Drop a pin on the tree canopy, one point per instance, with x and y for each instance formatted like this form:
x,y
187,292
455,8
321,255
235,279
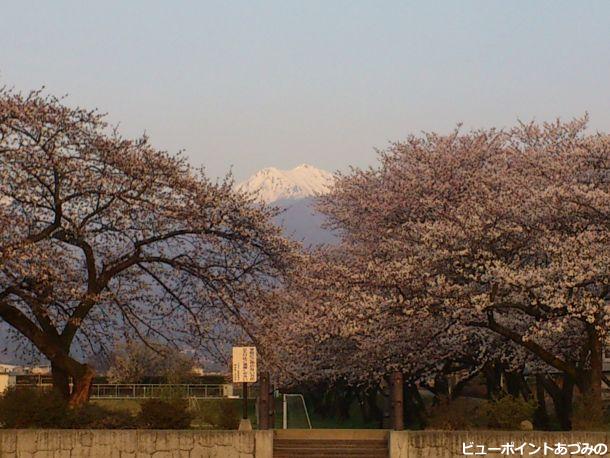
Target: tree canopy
x,y
463,247
104,235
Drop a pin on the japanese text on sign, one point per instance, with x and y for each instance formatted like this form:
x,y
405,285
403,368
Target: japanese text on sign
x,y
244,364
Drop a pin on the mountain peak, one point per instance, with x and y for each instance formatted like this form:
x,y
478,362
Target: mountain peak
x,y
272,184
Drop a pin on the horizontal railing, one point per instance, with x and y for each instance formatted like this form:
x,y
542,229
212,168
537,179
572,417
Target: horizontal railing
x,y
148,391
152,391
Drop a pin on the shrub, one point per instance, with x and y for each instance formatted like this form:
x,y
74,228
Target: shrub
x,y
219,413
172,393
161,414
506,413
455,415
35,408
32,408
92,416
588,416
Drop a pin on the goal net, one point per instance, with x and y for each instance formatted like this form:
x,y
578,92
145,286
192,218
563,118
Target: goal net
x,y
293,411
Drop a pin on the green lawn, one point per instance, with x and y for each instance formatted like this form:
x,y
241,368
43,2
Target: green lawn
x,y
296,415
297,418
131,405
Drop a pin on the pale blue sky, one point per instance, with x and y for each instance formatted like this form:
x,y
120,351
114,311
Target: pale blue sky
x,y
251,84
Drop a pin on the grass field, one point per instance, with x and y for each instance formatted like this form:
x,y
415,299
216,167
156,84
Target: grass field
x,y
296,414
133,406
297,418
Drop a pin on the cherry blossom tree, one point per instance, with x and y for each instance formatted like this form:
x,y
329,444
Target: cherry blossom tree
x,y
134,362
507,231
104,236
332,329
482,246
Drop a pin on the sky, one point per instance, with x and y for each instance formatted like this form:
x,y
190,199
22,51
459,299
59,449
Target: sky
x,y
242,85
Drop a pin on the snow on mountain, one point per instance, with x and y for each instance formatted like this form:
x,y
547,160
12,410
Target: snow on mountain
x,y
293,192
272,184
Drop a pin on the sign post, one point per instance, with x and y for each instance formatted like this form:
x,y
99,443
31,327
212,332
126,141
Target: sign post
x,y
245,401
244,371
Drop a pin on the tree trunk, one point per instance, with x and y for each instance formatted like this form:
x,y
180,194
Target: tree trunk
x,y
541,416
361,396
562,399
514,384
375,413
414,410
367,398
441,389
386,402
397,401
57,349
456,392
61,381
591,385
493,375
565,406
81,387
82,379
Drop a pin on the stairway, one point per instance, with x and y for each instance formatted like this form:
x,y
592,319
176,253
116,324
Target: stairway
x,y
330,444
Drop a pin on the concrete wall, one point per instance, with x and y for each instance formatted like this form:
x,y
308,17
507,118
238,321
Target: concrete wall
x,y
259,444
447,444
135,444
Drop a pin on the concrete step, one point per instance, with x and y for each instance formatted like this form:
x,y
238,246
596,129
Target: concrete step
x,y
332,443
326,454
323,454
354,450
321,448
331,434
311,453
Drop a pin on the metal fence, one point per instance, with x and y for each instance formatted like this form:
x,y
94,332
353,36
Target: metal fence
x,y
150,391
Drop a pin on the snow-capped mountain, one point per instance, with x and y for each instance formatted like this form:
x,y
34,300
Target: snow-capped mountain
x,y
294,191
272,184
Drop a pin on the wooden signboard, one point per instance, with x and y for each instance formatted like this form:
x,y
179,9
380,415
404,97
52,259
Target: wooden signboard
x,y
244,365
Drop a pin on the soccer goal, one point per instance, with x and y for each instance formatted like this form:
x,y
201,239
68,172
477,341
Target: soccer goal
x,y
294,412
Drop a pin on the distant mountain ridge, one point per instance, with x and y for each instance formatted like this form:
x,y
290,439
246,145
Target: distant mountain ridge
x,y
272,184
302,222
294,191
